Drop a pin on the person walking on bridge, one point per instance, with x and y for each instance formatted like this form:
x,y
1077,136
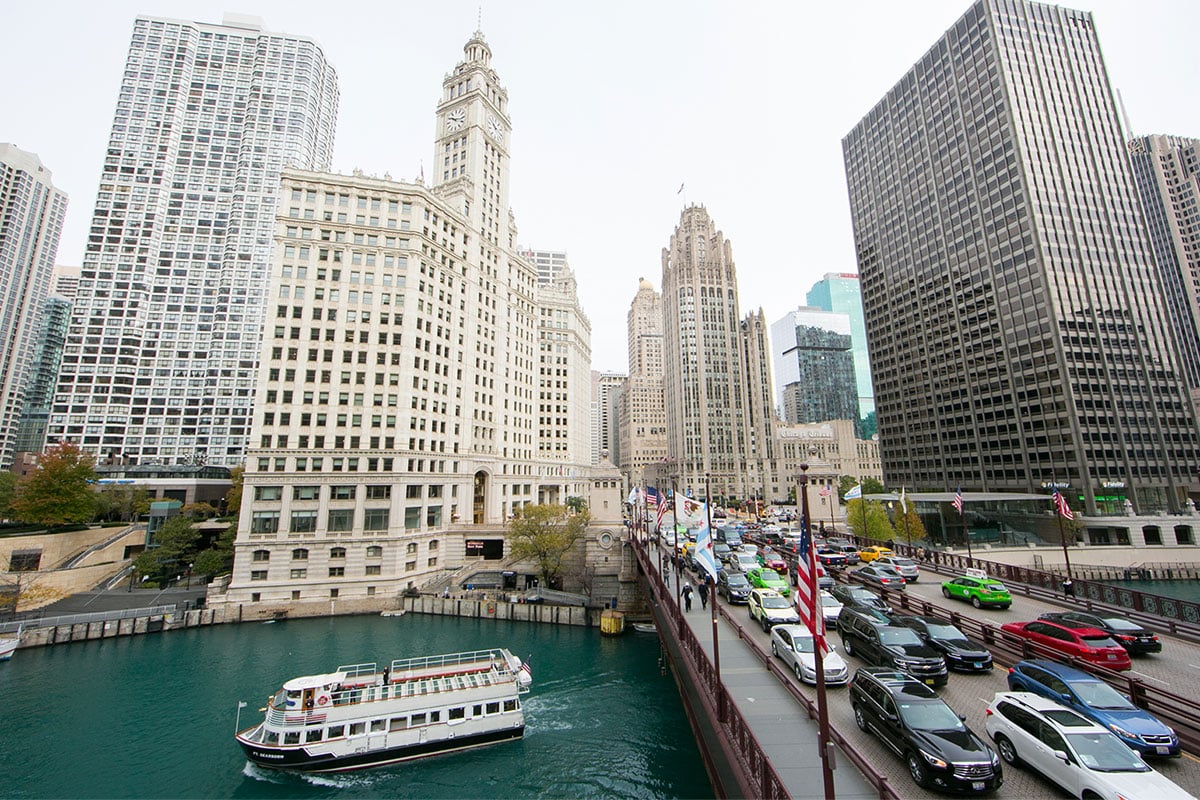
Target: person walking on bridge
x,y
687,597
703,590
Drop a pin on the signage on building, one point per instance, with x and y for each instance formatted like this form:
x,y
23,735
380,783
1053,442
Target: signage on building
x,y
1113,484
1055,485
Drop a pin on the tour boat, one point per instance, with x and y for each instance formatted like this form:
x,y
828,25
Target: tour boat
x,y
9,645
362,716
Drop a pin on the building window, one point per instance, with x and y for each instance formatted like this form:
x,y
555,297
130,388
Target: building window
x,y
268,492
374,551
306,492
264,522
410,566
433,545
374,569
300,554
337,572
337,552
333,593
295,594
342,492
258,575
255,597
410,548
376,519
379,492
341,520
298,573
304,521
262,555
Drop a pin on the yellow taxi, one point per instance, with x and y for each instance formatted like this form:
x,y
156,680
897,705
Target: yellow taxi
x,y
872,553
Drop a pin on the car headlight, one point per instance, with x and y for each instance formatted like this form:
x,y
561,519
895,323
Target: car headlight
x,y
1119,731
995,758
934,760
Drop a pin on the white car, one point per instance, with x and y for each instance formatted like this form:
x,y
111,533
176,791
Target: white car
x,y
794,644
907,568
1081,756
831,608
770,608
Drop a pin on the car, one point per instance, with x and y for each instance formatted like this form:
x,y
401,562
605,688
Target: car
x,y
907,568
720,550
852,596
749,548
850,551
979,589
907,716
1087,644
734,586
831,557
794,645
769,608
1082,757
763,578
1133,637
743,562
868,554
961,654
831,608
1091,697
883,577
771,560
880,643
668,538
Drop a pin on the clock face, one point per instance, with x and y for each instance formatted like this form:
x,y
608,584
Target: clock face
x,y
495,128
456,119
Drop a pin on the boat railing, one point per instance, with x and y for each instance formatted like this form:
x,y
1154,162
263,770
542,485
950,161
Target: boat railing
x,y
401,666
355,671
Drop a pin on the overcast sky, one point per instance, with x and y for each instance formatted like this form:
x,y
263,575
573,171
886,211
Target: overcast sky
x,y
614,104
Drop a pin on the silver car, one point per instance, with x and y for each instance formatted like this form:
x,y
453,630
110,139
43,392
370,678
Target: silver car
x,y
907,568
795,645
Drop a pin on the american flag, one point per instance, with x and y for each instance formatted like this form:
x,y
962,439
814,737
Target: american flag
x,y
1060,504
808,596
958,501
651,495
662,511
824,491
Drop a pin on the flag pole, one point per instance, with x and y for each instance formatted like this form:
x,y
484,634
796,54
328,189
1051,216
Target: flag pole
x,y
824,745
675,548
962,513
712,595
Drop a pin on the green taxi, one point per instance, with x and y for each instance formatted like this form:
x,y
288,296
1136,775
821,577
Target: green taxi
x,y
764,578
979,589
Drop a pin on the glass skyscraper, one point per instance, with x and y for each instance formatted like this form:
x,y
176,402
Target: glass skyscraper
x,y
840,292
1016,324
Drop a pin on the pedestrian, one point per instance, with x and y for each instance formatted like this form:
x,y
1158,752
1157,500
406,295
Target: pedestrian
x,y
687,597
703,589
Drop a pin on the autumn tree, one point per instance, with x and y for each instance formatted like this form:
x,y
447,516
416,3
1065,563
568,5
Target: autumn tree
x,y
8,488
876,525
198,510
544,534
233,499
59,491
909,525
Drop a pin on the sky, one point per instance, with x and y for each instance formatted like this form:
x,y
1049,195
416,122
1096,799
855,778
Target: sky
x,y
615,106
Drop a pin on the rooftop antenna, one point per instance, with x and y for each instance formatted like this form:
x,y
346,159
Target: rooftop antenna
x,y
479,19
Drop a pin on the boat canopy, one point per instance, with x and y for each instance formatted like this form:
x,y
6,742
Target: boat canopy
x,y
314,681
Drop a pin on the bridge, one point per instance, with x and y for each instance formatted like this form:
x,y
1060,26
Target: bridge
x,y
756,726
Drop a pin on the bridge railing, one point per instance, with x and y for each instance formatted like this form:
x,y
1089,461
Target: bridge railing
x,y
767,783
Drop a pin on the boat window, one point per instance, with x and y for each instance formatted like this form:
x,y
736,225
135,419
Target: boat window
x,y
313,735
417,719
458,713
358,728
493,708
378,725
291,737
272,737
510,705
337,731
398,724
477,711
435,716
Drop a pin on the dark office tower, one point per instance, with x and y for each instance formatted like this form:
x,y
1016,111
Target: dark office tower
x,y
1014,315
161,357
710,425
1167,171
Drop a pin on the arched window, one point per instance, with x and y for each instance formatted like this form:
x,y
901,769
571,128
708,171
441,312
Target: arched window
x,y
337,552
300,554
374,551
262,555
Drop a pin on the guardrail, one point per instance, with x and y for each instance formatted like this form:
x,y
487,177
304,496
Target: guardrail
x,y
1181,713
78,619
767,783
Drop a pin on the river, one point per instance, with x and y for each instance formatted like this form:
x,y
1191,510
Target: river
x,y
154,715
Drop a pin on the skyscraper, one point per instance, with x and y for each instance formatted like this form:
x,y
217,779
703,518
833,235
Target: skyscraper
x,y
31,218
841,292
1017,332
814,367
1167,171
607,388
161,355
565,434
710,423
641,413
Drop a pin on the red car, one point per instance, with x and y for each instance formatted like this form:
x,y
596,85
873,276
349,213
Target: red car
x,y
1087,644
772,560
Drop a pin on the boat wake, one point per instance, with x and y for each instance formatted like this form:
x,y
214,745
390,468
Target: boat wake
x,y
334,781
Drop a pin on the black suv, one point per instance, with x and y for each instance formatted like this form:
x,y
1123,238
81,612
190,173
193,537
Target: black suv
x,y
961,653
941,752
879,642
734,586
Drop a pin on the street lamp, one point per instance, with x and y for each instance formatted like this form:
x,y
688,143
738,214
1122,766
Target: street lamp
x,y
823,742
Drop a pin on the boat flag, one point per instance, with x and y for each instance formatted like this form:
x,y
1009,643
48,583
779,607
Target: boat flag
x,y
1060,505
808,596
704,550
958,503
855,493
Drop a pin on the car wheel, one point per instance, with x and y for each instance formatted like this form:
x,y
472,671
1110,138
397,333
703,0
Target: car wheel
x,y
800,673
1007,751
846,643
916,769
765,625
774,649
975,602
859,719
945,593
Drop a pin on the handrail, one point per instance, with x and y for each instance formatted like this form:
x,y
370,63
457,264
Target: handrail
x,y
78,619
1183,714
767,781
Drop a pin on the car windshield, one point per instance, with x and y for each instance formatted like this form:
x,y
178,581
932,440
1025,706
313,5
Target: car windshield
x,y
776,602
1099,641
1100,695
901,562
1118,624
899,636
803,644
829,600
932,716
737,580
769,575
993,586
1103,752
946,632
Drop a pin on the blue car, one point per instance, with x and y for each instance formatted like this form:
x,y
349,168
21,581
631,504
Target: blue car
x,y
1095,699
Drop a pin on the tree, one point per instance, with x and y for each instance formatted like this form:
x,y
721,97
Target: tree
x,y
544,534
28,593
869,426
59,491
219,557
909,524
878,526
175,548
233,499
198,511
848,482
576,504
8,488
122,503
